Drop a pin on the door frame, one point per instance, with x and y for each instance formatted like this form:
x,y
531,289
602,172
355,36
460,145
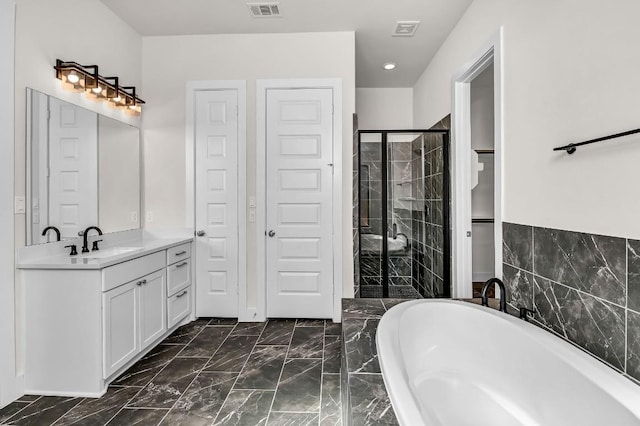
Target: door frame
x,y
490,53
335,84
192,87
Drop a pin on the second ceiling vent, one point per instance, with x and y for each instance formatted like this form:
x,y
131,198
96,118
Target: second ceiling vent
x,y
264,10
405,28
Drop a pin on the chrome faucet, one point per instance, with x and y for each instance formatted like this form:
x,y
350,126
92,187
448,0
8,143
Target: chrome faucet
x,y
51,228
85,243
503,293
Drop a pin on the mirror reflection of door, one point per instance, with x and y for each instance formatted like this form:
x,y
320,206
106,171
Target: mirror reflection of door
x,y
73,162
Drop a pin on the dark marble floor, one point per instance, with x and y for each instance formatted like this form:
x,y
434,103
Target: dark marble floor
x,y
214,372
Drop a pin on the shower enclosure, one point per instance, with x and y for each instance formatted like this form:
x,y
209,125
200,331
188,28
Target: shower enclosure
x,y
403,216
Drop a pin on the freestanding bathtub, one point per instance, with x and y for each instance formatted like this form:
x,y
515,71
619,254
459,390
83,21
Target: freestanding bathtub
x,y
447,362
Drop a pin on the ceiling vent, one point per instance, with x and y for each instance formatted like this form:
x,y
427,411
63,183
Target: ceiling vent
x,y
405,28
264,10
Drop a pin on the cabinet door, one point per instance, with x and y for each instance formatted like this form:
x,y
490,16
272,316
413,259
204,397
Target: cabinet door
x,y
120,326
153,307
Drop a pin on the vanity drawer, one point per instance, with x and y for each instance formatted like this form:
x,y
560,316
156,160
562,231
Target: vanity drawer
x,y
116,275
178,276
178,307
177,253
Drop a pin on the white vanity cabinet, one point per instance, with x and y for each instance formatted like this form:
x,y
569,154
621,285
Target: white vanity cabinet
x,y
134,317
85,325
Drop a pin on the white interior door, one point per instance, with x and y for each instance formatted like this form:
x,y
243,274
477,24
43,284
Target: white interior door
x,y
299,177
216,201
73,168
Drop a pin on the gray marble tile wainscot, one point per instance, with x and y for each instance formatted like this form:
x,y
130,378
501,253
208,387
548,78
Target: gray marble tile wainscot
x,y
584,287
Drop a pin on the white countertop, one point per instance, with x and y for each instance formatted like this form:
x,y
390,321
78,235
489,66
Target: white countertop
x,y
89,260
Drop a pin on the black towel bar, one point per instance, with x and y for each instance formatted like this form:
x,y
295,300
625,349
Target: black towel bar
x,y
571,148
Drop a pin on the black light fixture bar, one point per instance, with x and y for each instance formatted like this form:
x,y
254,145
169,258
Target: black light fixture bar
x,y
572,147
93,79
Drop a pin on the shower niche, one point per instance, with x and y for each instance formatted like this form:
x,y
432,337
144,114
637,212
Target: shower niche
x,y
403,221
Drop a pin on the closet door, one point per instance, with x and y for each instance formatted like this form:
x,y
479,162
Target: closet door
x,y
299,174
216,199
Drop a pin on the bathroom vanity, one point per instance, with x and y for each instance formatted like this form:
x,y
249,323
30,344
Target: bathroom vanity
x,y
90,317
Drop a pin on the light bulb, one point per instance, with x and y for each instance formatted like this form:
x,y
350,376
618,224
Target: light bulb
x,y
389,66
97,90
73,78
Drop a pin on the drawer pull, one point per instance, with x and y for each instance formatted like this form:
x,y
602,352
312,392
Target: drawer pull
x,y
141,282
180,265
180,253
181,294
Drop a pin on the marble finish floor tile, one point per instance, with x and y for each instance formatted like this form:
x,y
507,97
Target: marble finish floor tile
x,y
277,332
232,354
213,371
185,333
263,368
206,343
245,407
98,411
293,419
332,352
144,370
330,404
299,386
362,308
248,329
138,416
201,402
45,411
306,342
168,386
11,410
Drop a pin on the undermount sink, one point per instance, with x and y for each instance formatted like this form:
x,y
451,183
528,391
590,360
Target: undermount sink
x,y
109,252
372,243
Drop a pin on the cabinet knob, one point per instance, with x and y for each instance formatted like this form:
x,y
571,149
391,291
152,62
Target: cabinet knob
x,y
201,233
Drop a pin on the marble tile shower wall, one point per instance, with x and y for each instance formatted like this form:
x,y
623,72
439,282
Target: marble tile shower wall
x,y
584,287
356,209
427,238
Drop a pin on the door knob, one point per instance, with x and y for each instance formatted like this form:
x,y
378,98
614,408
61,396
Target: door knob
x,y
272,233
200,233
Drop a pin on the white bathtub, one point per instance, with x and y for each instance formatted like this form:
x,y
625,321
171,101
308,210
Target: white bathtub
x,y
455,363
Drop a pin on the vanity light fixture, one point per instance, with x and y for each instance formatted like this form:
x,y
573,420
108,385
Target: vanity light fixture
x,y
389,66
85,78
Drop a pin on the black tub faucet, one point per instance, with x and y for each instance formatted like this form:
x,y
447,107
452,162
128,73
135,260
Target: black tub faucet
x,y
51,228
85,243
503,293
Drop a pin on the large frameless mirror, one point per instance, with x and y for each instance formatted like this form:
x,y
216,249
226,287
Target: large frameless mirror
x,y
83,169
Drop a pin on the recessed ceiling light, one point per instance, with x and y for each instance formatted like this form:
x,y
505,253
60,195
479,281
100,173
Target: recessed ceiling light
x,y
389,66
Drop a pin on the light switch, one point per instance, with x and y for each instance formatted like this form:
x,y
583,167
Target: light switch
x,y
252,215
19,205
252,201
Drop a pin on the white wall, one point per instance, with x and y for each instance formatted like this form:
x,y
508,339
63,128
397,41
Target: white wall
x,y
10,388
384,109
168,62
569,75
